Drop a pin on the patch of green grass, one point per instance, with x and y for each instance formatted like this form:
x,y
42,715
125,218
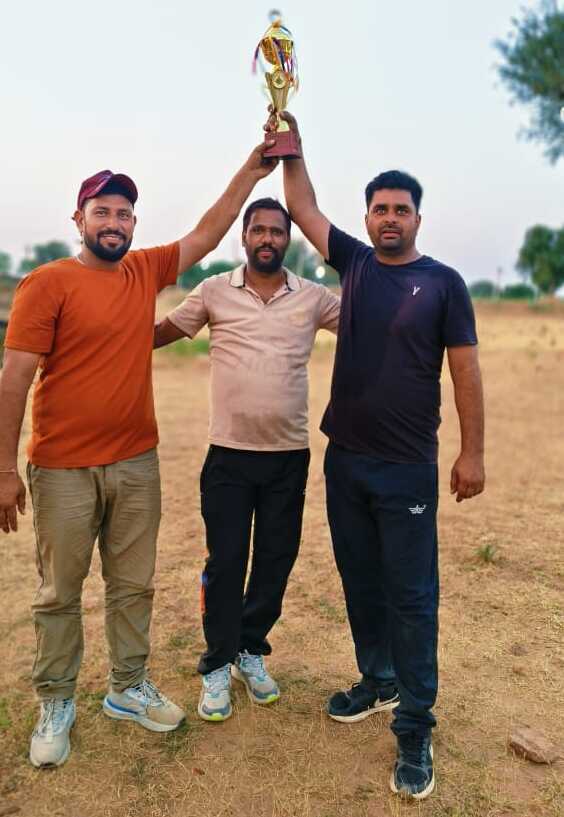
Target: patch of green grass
x,y
5,720
488,553
92,701
22,727
181,639
329,611
188,348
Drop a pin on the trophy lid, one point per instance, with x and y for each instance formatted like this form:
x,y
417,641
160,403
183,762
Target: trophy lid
x,y
277,44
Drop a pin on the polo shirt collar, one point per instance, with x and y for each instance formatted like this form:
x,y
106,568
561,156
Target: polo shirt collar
x,y
237,278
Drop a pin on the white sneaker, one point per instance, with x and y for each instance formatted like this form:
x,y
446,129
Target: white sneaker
x,y
50,742
145,705
250,670
215,698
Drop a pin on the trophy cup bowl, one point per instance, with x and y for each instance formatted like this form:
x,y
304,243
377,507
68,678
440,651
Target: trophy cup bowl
x,y
280,69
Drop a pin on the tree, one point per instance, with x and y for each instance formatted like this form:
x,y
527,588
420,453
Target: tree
x,y
195,274
541,258
518,292
5,263
533,70
42,254
483,289
304,261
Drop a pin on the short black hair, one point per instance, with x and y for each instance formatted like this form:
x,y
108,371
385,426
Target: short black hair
x,y
395,180
266,204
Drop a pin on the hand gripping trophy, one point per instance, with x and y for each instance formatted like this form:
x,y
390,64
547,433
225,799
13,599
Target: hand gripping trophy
x,y
276,49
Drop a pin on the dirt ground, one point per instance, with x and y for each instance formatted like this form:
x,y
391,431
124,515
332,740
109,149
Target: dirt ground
x,y
501,646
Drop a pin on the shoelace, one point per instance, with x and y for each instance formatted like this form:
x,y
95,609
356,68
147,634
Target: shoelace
x,y
217,680
254,665
414,749
53,715
149,691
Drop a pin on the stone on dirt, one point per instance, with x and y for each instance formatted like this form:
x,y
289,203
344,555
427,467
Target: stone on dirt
x,y
533,745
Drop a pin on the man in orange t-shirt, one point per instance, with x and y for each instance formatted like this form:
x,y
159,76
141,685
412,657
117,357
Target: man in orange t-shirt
x,y
93,473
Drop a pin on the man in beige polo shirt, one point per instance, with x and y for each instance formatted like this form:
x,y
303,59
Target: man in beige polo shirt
x,y
262,320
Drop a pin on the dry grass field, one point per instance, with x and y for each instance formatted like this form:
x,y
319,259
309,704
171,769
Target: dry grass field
x,y
501,646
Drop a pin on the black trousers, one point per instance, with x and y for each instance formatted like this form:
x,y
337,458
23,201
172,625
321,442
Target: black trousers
x,y
382,517
236,487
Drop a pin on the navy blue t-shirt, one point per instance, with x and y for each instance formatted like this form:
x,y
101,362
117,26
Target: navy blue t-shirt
x,y
395,324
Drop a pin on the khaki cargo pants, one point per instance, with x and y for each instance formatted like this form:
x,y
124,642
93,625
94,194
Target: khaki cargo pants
x,y
120,505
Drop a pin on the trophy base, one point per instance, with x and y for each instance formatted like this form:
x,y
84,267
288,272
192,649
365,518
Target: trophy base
x,y
285,147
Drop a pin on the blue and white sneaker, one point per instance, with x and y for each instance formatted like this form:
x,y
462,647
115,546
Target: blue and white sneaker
x,y
413,776
215,698
145,705
250,670
50,741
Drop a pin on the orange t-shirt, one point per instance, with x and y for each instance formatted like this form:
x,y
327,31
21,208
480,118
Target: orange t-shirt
x,y
93,404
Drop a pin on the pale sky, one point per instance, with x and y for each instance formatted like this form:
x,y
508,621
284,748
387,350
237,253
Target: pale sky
x,y
165,93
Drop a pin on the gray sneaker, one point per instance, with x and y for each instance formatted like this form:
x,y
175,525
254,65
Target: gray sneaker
x,y
50,741
250,670
145,705
215,698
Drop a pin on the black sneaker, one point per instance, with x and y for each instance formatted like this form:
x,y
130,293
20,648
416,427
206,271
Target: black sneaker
x,y
413,774
360,701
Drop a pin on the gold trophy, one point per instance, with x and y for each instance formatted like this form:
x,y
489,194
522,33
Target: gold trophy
x,y
276,49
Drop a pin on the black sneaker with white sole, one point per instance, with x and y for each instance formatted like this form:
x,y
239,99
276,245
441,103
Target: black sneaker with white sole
x,y
360,701
413,775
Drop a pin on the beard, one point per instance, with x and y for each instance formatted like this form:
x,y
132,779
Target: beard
x,y
270,266
398,245
107,253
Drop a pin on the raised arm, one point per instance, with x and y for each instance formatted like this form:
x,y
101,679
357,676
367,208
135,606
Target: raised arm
x,y
301,201
214,224
15,379
467,475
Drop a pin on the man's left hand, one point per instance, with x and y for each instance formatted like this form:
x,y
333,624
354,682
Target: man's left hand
x,y
467,477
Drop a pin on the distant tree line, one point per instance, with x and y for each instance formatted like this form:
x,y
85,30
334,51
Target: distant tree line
x,y
540,262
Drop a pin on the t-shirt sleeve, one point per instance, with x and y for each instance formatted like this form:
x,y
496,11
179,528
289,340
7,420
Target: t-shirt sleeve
x,y
192,313
459,326
33,316
329,310
164,261
342,249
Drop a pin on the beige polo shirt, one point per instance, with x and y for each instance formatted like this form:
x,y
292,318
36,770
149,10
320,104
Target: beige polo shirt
x,y
259,354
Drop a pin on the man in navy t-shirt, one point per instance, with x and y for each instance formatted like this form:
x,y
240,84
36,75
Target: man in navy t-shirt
x,y
399,312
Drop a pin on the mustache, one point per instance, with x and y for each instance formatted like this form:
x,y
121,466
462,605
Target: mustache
x,y
114,233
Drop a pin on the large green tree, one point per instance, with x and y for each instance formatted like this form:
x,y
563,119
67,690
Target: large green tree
x,y
42,254
541,258
533,70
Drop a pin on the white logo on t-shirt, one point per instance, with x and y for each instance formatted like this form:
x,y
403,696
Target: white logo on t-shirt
x,y
416,290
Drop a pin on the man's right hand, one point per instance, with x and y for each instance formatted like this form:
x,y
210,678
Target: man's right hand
x,y
12,500
293,123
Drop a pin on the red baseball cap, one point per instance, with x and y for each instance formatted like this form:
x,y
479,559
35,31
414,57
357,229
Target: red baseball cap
x,y
95,185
